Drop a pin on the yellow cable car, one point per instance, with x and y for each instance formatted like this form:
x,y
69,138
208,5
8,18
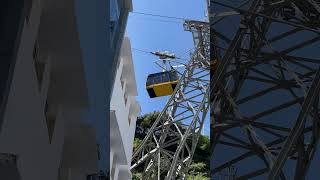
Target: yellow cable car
x,y
162,84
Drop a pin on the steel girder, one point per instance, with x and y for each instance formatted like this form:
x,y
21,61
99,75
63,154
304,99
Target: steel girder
x,y
167,150
264,95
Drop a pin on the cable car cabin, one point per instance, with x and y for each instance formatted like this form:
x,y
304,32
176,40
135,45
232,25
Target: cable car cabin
x,y
161,84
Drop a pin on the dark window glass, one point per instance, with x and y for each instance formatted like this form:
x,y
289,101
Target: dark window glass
x,y
158,79
170,76
114,10
114,15
161,77
166,77
154,79
98,151
149,80
173,76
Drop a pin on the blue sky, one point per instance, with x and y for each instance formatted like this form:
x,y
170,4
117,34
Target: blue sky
x,y
155,33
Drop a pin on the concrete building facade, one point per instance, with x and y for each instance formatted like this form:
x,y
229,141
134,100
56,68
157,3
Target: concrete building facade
x,y
44,92
101,27
124,112
58,61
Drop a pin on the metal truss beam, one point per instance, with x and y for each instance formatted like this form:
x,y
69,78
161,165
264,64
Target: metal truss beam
x,y
298,128
167,150
266,75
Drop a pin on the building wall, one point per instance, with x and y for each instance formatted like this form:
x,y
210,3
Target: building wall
x,y
92,19
55,120
124,112
100,46
39,118
24,132
11,22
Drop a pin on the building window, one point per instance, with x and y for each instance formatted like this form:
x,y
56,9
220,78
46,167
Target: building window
x,y
114,10
114,15
35,51
112,25
50,120
125,99
122,83
98,151
129,120
39,66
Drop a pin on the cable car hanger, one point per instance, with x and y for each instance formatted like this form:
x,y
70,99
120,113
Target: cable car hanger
x,y
165,59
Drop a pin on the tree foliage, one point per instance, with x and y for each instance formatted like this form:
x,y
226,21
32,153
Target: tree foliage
x,y
199,167
136,176
197,177
136,143
144,124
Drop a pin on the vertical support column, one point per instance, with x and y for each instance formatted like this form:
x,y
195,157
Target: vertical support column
x,y
121,172
116,172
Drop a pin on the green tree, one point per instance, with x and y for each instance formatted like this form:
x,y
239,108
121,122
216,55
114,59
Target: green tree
x,y
136,176
198,171
197,177
200,165
144,123
202,151
136,143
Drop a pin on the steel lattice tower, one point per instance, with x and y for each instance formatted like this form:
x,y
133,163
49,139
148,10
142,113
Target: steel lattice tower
x,y
165,152
264,95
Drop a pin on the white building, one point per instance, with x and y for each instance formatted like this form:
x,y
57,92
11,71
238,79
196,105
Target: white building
x,y
42,134
124,112
57,62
